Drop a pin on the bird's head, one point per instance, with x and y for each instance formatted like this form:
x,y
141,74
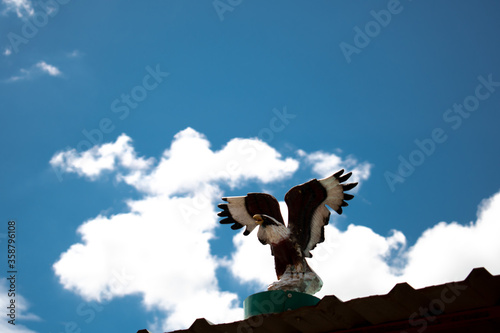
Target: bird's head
x,y
265,220
270,230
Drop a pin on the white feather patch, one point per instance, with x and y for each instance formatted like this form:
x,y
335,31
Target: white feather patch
x,y
334,192
317,223
238,210
273,234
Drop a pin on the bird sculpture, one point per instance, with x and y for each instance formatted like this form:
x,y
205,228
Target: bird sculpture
x,y
292,244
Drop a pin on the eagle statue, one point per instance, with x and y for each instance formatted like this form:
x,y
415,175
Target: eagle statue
x,y
292,244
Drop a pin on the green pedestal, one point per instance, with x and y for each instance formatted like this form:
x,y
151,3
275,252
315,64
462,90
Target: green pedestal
x,y
276,301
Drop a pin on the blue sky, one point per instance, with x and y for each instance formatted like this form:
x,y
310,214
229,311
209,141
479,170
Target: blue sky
x,y
123,123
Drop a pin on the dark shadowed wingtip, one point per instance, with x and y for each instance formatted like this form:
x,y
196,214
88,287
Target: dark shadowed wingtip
x,y
344,204
348,196
345,177
246,233
225,210
236,226
349,186
224,213
225,199
339,211
338,173
226,221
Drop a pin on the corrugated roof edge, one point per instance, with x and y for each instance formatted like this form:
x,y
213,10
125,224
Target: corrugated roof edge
x,y
411,307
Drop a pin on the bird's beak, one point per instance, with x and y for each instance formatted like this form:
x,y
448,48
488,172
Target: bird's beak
x,y
258,219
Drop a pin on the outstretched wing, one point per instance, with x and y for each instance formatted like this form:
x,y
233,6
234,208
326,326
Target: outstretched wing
x,y
307,212
239,211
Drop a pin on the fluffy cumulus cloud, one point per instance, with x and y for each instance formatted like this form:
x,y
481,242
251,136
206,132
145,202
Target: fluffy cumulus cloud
x,y
451,250
241,159
169,229
159,247
154,250
323,163
107,157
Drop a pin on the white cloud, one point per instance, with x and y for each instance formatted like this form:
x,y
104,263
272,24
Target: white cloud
x,y
22,8
323,163
353,263
21,310
252,262
40,68
154,251
188,163
160,248
7,52
49,69
107,157
451,250
25,74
